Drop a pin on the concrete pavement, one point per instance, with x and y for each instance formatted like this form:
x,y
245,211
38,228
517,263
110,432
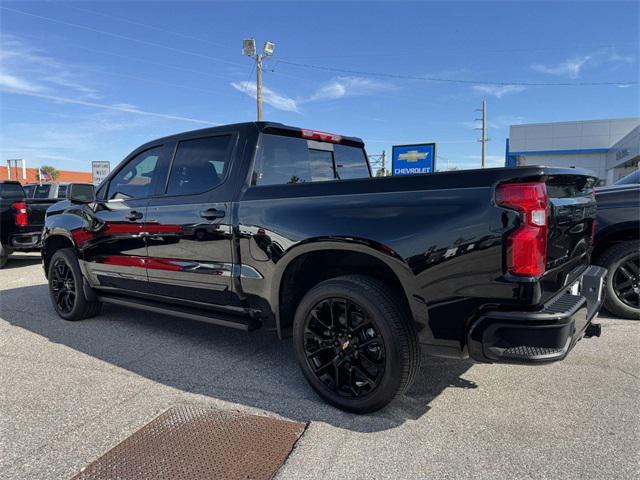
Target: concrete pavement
x,y
70,391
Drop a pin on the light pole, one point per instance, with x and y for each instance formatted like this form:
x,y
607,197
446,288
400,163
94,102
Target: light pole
x,y
249,49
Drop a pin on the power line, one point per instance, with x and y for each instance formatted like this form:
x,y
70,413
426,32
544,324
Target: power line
x,y
122,37
452,80
140,24
456,51
136,59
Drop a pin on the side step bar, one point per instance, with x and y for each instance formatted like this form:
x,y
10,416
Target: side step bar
x,y
232,321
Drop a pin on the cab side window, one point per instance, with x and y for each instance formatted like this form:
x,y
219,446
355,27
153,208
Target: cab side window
x,y
136,178
42,191
199,165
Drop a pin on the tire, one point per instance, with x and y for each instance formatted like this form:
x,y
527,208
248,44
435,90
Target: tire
x,y
4,256
359,378
623,261
66,287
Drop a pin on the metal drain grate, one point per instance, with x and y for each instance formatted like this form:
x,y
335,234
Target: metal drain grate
x,y
194,442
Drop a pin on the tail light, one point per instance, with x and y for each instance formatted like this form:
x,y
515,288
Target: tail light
x,y
21,216
527,245
321,136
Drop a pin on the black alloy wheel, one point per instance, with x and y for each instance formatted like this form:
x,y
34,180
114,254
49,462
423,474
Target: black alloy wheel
x,y
63,286
626,281
343,347
622,288
68,294
356,343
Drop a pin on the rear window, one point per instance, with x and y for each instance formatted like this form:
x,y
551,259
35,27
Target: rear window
x,y
11,190
28,190
62,191
287,160
42,191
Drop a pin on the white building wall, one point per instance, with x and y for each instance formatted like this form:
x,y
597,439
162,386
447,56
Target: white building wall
x,y
590,144
580,135
595,162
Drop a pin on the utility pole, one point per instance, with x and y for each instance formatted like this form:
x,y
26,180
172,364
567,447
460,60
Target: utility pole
x,y
259,85
249,49
384,161
484,138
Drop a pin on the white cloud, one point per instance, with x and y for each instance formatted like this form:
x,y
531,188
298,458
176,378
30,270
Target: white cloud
x,y
270,97
573,67
15,83
20,60
499,91
569,68
618,58
348,86
337,88
62,80
117,107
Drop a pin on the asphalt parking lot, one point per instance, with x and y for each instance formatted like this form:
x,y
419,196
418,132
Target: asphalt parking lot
x,y
71,391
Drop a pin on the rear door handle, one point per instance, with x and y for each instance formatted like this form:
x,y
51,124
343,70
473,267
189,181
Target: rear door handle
x,y
133,215
212,213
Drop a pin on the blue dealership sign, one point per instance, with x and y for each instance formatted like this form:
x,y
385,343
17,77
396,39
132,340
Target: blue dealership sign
x,y
413,159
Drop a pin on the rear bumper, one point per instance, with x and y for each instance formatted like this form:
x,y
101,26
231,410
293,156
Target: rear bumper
x,y
542,336
26,241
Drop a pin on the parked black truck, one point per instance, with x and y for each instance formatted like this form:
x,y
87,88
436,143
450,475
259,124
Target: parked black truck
x,y
617,244
21,220
264,225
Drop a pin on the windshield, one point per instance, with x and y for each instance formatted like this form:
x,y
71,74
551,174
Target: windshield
x,y
630,179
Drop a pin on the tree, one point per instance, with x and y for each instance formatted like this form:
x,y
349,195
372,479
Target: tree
x,y
50,171
382,172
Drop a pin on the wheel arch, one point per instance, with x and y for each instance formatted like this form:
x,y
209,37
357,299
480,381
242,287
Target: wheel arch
x,y
613,234
54,240
312,262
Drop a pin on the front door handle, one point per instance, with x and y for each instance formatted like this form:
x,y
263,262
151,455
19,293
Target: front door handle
x,y
212,213
133,215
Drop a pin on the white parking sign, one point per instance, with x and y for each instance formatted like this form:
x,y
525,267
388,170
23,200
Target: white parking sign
x,y
99,171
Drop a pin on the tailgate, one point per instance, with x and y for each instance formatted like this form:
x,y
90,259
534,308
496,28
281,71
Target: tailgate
x,y
36,210
572,213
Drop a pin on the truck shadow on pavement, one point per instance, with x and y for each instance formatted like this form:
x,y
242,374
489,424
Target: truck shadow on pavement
x,y
253,369
17,261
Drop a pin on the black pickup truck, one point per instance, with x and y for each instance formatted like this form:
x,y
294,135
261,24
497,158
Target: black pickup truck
x,y
264,225
21,220
617,244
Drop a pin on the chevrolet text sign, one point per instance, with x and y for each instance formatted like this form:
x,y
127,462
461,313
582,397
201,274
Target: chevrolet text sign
x,y
413,159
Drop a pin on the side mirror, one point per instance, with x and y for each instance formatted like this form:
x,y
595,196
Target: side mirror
x,y
81,193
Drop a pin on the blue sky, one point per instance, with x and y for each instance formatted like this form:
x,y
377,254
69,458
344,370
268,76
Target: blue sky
x,y
83,81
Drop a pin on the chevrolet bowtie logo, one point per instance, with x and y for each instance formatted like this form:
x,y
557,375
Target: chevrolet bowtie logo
x,y
413,156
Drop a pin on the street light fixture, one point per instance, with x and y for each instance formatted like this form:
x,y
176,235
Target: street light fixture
x,y
268,48
249,49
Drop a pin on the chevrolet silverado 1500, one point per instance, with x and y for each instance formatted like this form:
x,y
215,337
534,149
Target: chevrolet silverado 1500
x,y
21,220
264,225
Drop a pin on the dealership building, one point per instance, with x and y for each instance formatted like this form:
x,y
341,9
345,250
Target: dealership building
x,y
610,148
